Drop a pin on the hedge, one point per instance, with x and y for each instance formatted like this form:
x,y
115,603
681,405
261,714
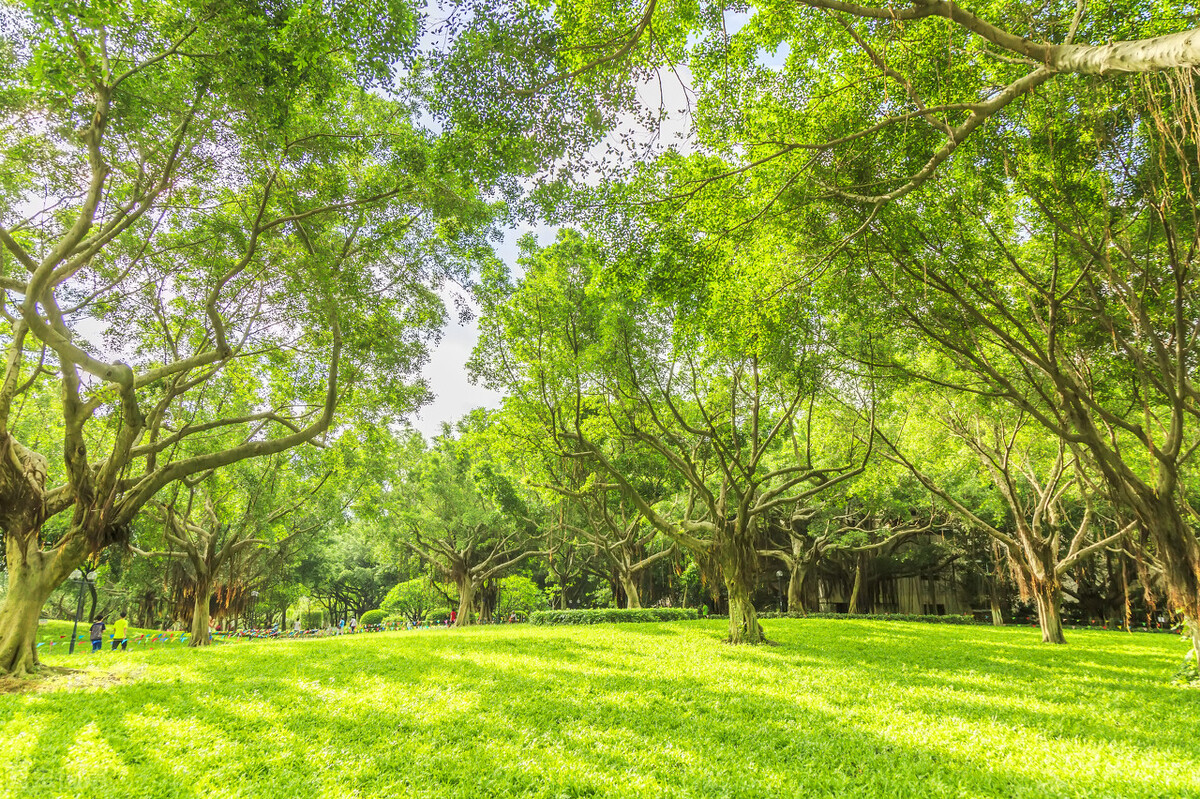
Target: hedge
x,y
875,617
607,615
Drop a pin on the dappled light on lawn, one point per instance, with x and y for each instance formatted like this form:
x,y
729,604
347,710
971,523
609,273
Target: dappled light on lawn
x,y
845,708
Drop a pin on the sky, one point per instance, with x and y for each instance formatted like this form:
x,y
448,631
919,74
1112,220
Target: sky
x,y
446,372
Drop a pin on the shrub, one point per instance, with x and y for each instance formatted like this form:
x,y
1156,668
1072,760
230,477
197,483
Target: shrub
x,y
372,617
437,616
610,615
313,619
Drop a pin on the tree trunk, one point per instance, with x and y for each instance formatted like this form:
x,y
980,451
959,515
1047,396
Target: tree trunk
x,y
489,597
199,635
743,618
1192,628
33,574
466,604
91,587
994,596
854,593
1179,550
19,620
629,586
795,595
1048,595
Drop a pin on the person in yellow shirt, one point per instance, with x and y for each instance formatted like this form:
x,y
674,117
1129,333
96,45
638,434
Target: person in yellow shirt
x,y
120,633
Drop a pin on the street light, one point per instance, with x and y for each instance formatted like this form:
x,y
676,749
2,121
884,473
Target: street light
x,y
83,580
779,577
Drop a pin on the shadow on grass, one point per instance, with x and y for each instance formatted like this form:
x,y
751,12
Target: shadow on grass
x,y
618,711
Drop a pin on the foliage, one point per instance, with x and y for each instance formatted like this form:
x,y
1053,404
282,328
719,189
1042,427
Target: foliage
x,y
218,235
415,599
346,574
841,708
637,386
519,595
611,615
464,516
372,617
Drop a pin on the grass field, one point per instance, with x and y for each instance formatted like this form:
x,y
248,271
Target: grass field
x,y
839,708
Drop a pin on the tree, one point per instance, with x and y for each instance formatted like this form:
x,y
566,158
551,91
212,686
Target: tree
x,y
615,529
208,525
566,557
918,81
845,533
611,524
1035,488
602,371
519,596
256,232
413,599
1071,120
347,573
465,518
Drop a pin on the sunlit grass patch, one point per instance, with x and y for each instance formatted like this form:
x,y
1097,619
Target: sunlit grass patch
x,y
838,708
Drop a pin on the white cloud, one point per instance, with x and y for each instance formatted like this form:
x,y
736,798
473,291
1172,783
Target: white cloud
x,y
454,395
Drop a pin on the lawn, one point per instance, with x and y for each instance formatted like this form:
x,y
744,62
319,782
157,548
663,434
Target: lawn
x,y
838,708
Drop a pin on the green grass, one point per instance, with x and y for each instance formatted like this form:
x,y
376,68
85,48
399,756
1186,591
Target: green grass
x,y
839,708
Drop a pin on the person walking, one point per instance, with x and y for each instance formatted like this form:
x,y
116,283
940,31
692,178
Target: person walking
x,y
296,627
353,625
98,633
121,633
341,626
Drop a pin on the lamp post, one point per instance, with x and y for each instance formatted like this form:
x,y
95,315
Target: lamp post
x,y
779,577
83,577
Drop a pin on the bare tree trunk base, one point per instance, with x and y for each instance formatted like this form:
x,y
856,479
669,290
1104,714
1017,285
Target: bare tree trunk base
x,y
632,600
466,605
1049,607
743,622
19,626
199,632
795,602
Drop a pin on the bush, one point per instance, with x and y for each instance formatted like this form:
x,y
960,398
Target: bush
x,y
437,616
313,619
372,617
609,615
874,617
